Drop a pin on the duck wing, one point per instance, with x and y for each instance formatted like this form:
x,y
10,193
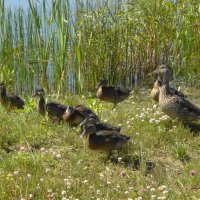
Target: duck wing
x,y
187,107
85,111
122,91
55,109
112,136
104,126
16,101
109,90
174,91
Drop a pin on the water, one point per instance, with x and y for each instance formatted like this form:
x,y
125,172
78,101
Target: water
x,y
19,3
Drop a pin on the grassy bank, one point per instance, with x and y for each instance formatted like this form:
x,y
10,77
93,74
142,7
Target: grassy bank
x,y
41,160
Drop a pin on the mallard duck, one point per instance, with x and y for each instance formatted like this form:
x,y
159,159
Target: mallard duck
x,y
54,110
10,102
40,107
111,94
105,140
91,119
77,114
155,91
173,105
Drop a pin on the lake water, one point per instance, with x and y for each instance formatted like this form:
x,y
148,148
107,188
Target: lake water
x,y
24,3
19,3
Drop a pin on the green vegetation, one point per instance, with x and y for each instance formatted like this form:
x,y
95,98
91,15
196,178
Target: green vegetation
x,y
68,49
41,160
63,47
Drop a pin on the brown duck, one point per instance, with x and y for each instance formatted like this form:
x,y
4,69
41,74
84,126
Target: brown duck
x,y
106,140
54,110
10,102
111,94
155,90
173,105
75,115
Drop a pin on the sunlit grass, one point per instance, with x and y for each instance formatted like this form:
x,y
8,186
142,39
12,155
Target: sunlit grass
x,y
41,160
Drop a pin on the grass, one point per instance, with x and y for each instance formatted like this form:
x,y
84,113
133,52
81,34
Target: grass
x,y
41,160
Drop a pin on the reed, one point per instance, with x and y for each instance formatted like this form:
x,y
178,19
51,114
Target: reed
x,y
68,46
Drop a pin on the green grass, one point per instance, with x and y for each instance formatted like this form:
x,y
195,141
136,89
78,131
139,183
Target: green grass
x,y
40,160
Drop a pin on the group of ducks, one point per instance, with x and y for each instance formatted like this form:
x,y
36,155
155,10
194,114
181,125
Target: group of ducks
x,y
103,136
100,136
172,102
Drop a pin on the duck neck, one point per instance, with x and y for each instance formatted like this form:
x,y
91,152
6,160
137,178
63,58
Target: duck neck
x,y
41,103
166,77
165,89
3,95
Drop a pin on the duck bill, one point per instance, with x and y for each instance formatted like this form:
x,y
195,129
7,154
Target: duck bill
x,y
156,72
34,95
83,123
83,134
97,87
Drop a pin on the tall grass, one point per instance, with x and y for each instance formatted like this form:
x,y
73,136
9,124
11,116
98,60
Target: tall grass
x,y
68,47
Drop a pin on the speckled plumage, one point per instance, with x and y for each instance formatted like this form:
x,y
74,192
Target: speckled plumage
x,y
158,83
175,106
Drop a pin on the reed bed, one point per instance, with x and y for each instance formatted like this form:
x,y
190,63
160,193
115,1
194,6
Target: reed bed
x,y
67,46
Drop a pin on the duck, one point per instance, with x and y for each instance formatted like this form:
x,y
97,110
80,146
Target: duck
x,y
173,105
77,114
155,90
10,102
105,140
54,110
110,93
99,125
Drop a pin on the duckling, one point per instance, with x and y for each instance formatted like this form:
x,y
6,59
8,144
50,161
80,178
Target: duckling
x,y
173,105
111,94
75,115
99,125
105,140
40,107
54,110
10,102
155,91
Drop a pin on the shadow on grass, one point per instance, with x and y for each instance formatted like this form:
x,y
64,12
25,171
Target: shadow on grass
x,y
193,127
133,162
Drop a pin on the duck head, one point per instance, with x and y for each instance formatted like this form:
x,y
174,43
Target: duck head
x,y
102,82
39,92
88,129
162,69
91,118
